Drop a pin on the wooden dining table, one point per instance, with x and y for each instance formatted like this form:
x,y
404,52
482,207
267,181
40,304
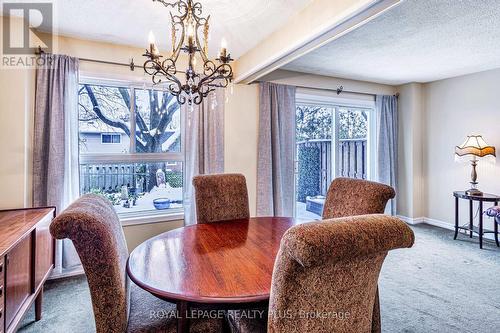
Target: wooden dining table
x,y
222,265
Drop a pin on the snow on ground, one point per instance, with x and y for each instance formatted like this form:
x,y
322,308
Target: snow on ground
x,y
303,215
145,203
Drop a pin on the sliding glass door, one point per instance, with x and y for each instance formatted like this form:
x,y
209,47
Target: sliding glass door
x,y
332,140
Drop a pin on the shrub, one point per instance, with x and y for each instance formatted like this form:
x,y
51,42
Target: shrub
x,y
309,176
174,179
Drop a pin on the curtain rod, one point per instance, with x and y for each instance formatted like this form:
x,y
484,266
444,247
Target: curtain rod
x,y
341,90
130,65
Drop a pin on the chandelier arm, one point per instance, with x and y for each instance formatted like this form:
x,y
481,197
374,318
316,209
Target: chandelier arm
x,y
223,71
168,4
196,10
160,71
196,86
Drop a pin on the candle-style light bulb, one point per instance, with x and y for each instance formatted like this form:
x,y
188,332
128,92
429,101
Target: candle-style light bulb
x,y
152,38
223,48
190,31
152,42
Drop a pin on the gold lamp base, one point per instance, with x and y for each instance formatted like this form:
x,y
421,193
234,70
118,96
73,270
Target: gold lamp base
x,y
474,192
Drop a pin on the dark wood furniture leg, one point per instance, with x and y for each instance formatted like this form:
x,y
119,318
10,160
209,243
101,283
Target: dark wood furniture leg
x,y
480,224
38,305
471,217
496,234
456,218
183,320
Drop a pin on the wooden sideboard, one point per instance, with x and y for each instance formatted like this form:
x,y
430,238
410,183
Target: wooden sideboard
x,y
26,261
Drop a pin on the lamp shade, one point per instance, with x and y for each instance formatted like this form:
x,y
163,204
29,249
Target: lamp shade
x,y
475,145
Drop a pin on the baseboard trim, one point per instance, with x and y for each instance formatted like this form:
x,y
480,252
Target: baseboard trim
x,y
440,224
412,221
67,273
437,223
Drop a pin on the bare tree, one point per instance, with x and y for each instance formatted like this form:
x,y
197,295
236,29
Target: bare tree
x,y
153,117
152,127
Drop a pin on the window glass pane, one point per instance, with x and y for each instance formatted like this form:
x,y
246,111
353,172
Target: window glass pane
x,y
134,187
158,121
352,144
104,110
353,123
314,143
111,138
313,123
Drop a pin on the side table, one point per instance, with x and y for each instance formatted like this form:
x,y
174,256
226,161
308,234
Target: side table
x,y
472,229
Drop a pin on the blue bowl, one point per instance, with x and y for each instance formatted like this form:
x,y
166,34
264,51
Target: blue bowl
x,y
162,203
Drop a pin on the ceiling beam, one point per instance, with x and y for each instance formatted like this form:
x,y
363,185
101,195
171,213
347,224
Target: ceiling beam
x,y
320,23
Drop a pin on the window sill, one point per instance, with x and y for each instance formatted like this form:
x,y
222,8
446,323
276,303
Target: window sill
x,y
151,218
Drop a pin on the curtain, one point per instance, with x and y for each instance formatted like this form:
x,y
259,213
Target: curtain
x,y
204,145
276,146
387,144
55,154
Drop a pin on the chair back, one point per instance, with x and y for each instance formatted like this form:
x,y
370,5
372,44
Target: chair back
x,y
93,225
325,275
221,197
350,197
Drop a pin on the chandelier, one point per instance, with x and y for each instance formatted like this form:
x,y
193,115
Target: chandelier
x,y
187,21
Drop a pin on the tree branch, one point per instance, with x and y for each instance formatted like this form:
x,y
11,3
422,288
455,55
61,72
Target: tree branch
x,y
124,92
98,112
167,117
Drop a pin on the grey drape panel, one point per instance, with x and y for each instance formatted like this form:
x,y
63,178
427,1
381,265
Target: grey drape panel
x,y
275,169
55,152
387,143
204,145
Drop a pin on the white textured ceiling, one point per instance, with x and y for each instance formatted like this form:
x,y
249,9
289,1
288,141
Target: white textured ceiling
x,y
417,41
243,23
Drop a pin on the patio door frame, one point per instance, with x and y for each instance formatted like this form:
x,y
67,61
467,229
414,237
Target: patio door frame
x,y
331,101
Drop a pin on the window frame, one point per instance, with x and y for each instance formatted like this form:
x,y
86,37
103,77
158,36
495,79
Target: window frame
x,y
334,103
143,217
111,136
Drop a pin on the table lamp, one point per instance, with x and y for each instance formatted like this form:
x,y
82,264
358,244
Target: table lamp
x,y
475,148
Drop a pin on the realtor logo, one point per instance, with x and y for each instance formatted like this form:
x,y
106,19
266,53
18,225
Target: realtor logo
x,y
21,25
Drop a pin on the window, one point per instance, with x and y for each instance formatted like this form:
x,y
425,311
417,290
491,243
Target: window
x,y
334,138
111,138
131,148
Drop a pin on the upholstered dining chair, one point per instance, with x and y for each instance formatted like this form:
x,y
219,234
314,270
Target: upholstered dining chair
x,y
325,275
224,197
351,197
119,305
221,197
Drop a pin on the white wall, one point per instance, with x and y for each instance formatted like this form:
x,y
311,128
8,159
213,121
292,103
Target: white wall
x,y
455,108
241,136
16,89
410,162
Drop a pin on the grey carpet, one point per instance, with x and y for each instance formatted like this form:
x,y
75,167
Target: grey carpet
x,y
439,285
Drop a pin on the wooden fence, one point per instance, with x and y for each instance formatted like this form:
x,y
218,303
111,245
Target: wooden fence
x,y
351,160
111,177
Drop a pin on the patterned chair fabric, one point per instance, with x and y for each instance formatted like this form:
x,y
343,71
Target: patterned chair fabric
x,y
351,197
221,197
325,275
93,226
